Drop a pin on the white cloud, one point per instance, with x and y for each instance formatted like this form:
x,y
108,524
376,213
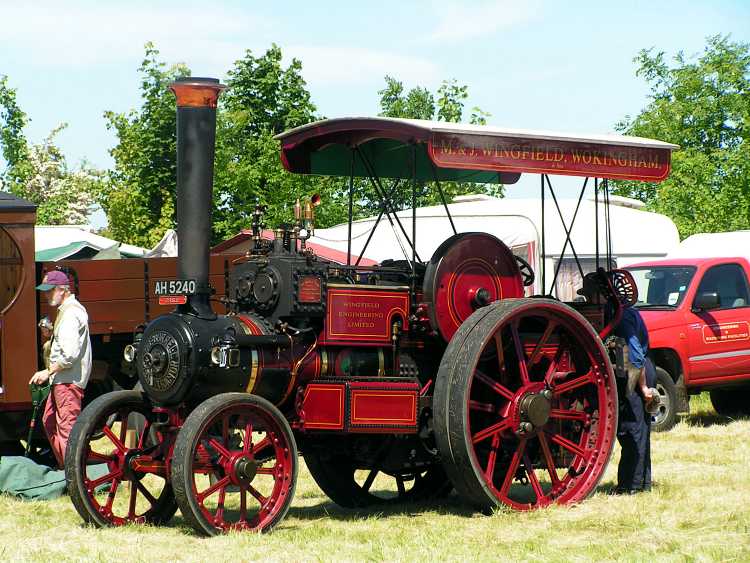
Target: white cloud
x,y
208,39
469,20
64,34
348,65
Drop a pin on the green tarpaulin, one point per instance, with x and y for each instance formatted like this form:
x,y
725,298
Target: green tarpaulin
x,y
27,480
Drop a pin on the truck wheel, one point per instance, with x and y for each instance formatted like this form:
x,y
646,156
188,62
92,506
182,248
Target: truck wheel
x,y
666,418
734,401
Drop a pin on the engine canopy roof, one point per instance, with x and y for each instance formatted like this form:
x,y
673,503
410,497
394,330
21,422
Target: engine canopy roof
x,y
444,151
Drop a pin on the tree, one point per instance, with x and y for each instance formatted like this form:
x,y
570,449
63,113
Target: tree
x,y
40,173
420,103
139,198
264,99
701,103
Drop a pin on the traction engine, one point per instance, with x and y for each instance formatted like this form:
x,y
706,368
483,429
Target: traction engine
x,y
395,382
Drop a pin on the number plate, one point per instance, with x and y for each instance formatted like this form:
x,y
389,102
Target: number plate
x,y
174,287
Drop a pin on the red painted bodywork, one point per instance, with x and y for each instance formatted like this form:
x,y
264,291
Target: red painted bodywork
x,y
364,314
713,347
375,406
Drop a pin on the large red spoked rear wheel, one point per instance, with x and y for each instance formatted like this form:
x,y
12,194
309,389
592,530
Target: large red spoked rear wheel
x,y
114,463
525,406
234,465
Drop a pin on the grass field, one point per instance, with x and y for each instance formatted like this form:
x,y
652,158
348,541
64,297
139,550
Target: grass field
x,y
698,511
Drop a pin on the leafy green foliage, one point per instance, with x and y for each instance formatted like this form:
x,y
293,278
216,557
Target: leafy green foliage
x,y
14,146
701,103
39,173
420,103
139,199
263,99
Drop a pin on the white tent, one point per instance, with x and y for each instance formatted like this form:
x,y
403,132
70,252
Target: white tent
x,y
49,237
714,245
637,235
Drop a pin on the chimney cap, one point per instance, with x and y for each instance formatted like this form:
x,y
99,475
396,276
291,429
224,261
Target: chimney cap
x,y
197,91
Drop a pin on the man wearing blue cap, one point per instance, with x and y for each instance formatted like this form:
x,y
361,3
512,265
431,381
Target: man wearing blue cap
x,y
69,362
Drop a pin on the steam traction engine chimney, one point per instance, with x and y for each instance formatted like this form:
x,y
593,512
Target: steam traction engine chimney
x,y
196,135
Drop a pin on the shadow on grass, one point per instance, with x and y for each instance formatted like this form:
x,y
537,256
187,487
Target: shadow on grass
x,y
450,504
705,419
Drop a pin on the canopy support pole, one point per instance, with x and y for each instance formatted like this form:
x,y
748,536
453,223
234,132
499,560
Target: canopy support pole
x,y
596,219
413,223
375,226
609,224
544,258
565,227
567,237
375,181
442,198
351,212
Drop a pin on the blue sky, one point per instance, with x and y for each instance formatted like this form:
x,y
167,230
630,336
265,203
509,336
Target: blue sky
x,y
535,64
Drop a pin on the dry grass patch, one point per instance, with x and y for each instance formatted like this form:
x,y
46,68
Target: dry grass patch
x,y
698,511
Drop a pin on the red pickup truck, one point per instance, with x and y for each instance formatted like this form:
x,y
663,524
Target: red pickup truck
x,y
697,312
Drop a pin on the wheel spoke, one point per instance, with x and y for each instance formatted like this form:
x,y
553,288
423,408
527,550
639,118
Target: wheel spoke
x,y
478,406
104,479
512,468
495,429
220,484
219,515
256,493
214,443
494,385
568,445
533,479
370,478
92,455
568,386
243,504
400,485
144,433
260,446
248,444
267,470
123,426
520,354
492,458
500,351
133,495
111,495
567,414
548,459
146,493
114,439
551,326
225,429
552,368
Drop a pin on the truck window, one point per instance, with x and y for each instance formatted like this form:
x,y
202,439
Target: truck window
x,y
729,281
11,269
662,286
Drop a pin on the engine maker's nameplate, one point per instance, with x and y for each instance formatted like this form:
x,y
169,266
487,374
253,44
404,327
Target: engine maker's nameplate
x,y
364,313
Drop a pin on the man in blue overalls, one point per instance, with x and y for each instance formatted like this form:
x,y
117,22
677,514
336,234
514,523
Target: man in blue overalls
x,y
634,423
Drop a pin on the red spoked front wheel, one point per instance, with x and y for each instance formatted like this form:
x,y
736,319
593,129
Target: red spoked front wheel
x,y
234,465
115,463
525,406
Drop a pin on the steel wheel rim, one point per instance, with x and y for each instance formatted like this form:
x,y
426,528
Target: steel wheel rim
x,y
501,452
120,473
235,463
